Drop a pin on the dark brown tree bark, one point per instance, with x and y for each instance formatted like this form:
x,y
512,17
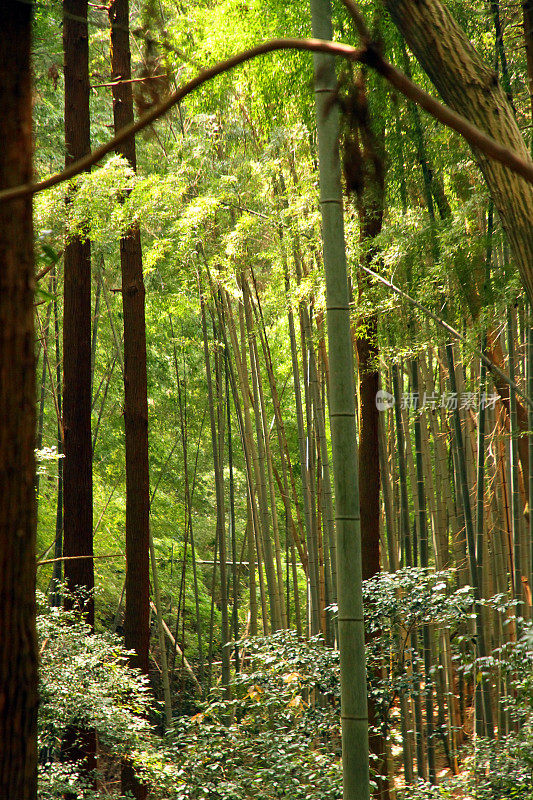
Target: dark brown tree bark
x,y
18,639
370,205
79,745
369,475
471,88
77,467
136,627
137,610
369,471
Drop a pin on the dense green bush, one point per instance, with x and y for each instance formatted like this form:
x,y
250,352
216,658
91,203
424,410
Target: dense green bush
x,y
278,735
86,683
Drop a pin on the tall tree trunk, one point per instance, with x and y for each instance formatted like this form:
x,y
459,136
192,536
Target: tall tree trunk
x,y
78,745
470,87
137,609
77,468
354,712
18,639
370,205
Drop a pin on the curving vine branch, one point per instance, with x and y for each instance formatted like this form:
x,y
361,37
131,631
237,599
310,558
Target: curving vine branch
x,y
368,54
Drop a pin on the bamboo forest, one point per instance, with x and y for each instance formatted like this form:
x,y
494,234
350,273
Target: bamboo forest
x,y
266,399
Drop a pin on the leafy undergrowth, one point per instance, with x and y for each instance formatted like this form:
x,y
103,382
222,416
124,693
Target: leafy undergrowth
x,y
278,734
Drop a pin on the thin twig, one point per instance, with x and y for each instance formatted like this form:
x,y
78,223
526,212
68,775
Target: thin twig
x,y
74,558
131,80
52,385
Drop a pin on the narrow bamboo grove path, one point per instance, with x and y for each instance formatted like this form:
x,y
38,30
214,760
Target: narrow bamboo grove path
x,y
265,323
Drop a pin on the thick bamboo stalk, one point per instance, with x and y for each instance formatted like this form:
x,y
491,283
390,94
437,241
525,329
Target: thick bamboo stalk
x,y
354,713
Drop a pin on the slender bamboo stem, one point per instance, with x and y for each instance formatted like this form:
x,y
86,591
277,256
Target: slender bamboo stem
x,y
424,561
471,545
160,630
515,492
235,586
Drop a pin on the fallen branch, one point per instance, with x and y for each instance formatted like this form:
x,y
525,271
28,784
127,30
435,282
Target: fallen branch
x,y
74,558
130,80
188,667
